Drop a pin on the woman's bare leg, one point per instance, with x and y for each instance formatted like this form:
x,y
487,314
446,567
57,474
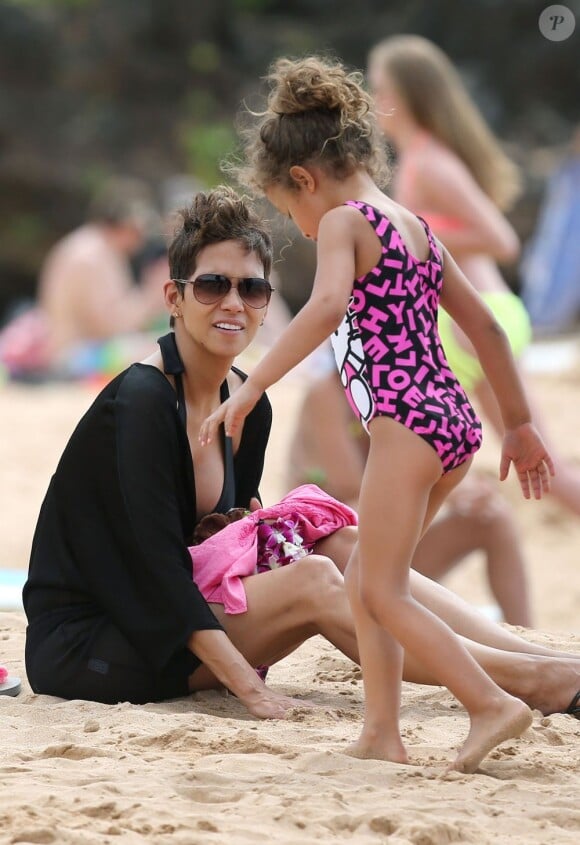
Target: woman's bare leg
x,y
291,604
285,608
465,619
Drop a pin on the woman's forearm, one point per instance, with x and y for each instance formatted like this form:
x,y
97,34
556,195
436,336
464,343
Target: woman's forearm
x,y
217,652
222,658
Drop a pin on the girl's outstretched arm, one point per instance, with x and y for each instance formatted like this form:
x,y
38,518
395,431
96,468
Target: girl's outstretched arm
x,y
522,444
313,324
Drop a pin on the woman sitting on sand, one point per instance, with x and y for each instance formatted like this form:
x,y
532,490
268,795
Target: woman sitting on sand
x,y
112,609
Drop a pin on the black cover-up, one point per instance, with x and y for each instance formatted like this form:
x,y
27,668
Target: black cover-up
x,y
110,598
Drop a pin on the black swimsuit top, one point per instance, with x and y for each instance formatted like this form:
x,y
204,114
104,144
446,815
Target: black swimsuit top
x,y
173,366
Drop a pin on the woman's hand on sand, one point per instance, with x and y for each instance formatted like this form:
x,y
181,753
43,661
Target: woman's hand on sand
x,y
266,704
523,447
232,413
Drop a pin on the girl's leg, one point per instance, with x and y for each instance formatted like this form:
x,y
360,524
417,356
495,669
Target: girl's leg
x,y
381,660
402,489
386,532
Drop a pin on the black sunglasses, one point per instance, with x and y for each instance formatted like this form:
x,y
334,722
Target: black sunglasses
x,y
209,288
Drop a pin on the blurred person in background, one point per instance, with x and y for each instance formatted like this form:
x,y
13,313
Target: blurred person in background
x,y
551,263
452,172
90,310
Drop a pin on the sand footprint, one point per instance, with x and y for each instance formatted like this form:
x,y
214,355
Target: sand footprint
x,y
73,752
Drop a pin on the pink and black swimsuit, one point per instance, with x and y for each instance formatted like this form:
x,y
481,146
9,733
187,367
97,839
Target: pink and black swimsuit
x,y
388,350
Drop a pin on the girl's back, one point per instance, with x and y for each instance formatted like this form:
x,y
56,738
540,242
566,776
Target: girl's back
x,y
406,223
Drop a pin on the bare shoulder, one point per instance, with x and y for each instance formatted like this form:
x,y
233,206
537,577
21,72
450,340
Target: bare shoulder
x,y
154,360
350,225
81,250
339,220
433,155
408,226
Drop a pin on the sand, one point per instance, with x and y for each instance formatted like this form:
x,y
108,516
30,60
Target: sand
x,y
200,770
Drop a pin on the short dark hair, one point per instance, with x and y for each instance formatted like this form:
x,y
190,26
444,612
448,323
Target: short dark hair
x,y
216,216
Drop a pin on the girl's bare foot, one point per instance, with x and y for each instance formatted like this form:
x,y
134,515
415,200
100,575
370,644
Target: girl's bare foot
x,y
510,718
375,745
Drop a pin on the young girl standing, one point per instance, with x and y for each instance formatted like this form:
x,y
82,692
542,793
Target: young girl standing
x,y
317,157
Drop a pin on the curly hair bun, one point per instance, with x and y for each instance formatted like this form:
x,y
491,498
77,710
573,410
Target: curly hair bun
x,y
316,84
317,112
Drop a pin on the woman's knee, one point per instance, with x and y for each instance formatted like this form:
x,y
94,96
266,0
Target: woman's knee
x,y
338,546
321,580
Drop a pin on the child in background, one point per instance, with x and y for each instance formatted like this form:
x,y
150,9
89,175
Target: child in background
x,y
316,156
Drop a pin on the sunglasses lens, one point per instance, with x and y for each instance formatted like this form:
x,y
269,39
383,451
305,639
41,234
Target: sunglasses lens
x,y
209,288
255,292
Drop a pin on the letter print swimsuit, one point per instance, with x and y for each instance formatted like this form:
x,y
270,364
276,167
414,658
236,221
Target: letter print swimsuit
x,y
388,352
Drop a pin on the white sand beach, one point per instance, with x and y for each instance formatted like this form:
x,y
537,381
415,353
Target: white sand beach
x,y
199,770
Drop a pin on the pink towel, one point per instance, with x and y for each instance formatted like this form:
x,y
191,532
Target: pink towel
x,y
221,561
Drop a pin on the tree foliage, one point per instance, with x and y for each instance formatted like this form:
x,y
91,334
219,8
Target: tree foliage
x,y
151,88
